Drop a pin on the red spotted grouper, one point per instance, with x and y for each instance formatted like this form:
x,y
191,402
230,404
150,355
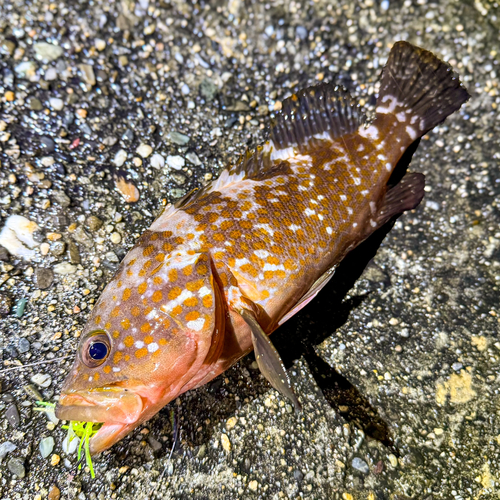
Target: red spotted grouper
x,y
220,270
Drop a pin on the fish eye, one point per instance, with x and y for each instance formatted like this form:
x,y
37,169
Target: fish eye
x,y
95,349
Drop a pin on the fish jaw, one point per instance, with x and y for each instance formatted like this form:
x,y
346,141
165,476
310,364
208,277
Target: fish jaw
x,y
108,404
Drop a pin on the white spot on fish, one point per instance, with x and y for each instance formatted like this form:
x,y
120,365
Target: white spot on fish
x,y
329,230
370,132
204,291
139,344
355,224
121,346
401,117
308,211
294,227
320,217
388,167
261,254
153,347
343,197
196,324
393,104
373,223
411,132
356,180
364,192
361,147
116,369
382,157
321,197
349,210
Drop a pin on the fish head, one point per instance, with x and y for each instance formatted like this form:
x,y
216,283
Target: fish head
x,y
156,327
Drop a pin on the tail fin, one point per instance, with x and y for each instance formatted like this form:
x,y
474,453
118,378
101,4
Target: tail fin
x,y
417,84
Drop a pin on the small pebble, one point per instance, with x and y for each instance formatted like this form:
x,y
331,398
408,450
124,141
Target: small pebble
x,y
47,52
393,460
57,248
46,446
42,380
23,346
20,306
16,466
93,223
5,448
253,485
127,189
44,277
54,493
120,158
54,460
99,44
74,253
193,158
144,150
178,138
226,444
115,238
56,104
69,447
157,161
360,465
12,415
64,268
231,422
175,162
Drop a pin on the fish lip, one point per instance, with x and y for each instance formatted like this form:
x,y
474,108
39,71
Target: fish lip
x,y
113,405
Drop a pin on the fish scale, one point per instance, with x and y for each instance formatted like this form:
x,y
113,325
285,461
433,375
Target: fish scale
x,y
220,270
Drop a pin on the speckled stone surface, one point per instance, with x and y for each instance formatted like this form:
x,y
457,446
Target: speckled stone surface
x,y
108,110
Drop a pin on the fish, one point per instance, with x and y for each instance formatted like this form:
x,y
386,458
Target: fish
x,y
217,272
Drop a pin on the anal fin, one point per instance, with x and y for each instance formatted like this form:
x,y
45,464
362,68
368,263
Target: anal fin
x,y
405,195
269,360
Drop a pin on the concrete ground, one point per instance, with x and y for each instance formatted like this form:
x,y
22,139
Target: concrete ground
x,y
396,362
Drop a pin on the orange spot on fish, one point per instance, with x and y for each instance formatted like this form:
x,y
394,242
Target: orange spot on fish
x,y
162,342
148,250
116,334
167,234
168,247
249,269
176,311
208,301
156,269
125,323
192,315
165,323
135,311
97,376
115,312
126,357
107,326
187,271
142,287
157,280
172,275
148,339
97,320
140,353
129,341
174,293
117,357
154,237
157,296
202,270
194,286
160,257
126,294
107,369
191,302
145,328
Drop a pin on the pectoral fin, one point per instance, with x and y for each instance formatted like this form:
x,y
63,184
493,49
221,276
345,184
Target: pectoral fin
x,y
269,360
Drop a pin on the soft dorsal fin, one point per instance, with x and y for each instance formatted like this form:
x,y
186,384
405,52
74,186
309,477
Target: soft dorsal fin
x,y
317,113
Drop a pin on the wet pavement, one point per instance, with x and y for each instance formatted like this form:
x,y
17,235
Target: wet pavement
x,y
110,110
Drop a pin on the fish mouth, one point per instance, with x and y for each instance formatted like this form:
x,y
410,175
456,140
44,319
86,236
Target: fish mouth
x,y
118,409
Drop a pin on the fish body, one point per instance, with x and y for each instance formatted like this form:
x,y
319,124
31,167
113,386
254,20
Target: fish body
x,y
218,272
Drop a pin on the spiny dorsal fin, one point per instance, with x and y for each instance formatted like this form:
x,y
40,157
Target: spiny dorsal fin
x,y
314,114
